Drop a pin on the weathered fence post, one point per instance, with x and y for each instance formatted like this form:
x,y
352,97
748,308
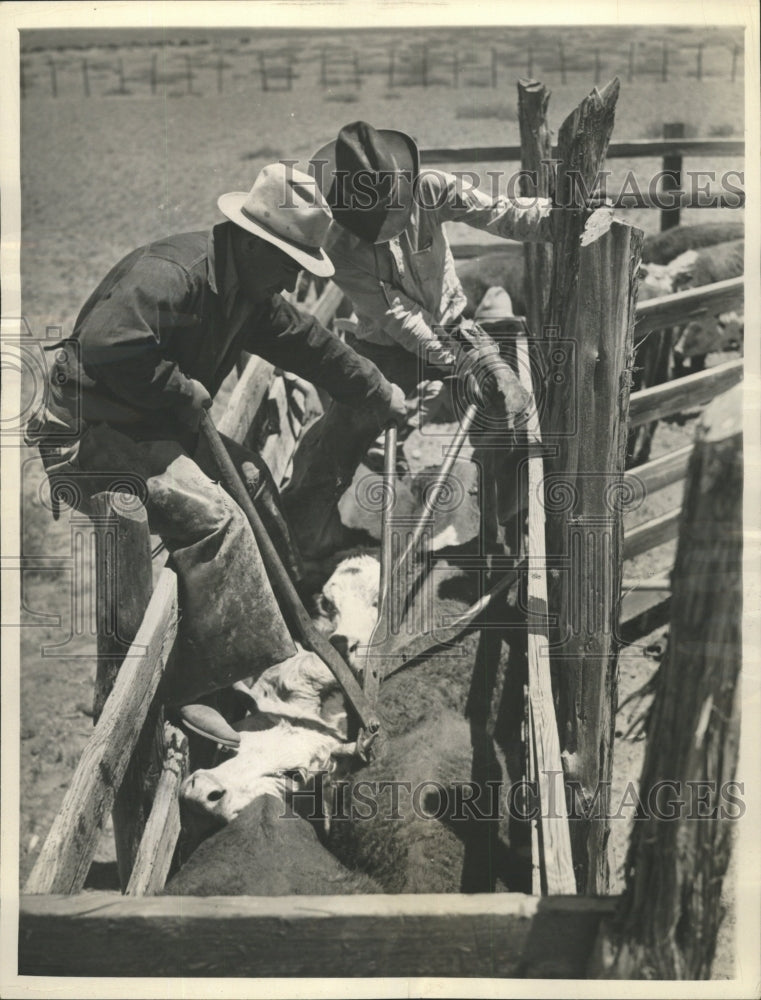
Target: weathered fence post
x,y
592,305
124,583
536,153
85,78
672,174
681,843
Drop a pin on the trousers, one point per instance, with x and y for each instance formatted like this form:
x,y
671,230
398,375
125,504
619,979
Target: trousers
x,y
230,624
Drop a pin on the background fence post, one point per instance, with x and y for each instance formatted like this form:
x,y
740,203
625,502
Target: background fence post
x,y
221,74
672,179
630,75
124,584
536,151
154,73
699,67
53,79
391,67
85,78
189,73
670,912
530,64
597,65
120,74
494,67
665,63
562,63
456,69
735,53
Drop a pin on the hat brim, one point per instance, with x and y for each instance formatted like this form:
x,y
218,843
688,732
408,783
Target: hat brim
x,y
315,261
322,166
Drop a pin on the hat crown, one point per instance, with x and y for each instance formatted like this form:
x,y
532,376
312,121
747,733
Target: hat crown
x,y
289,204
359,147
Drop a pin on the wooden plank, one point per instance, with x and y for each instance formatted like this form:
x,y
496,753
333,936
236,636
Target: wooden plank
x,y
246,398
554,836
162,830
327,304
277,450
683,393
67,853
660,472
657,148
679,308
483,934
652,533
641,612
124,584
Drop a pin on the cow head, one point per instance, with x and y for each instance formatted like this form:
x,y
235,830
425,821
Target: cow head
x,y
349,601
267,762
711,333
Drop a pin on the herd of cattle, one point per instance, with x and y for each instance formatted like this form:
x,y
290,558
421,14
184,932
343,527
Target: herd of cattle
x,y
424,816
295,811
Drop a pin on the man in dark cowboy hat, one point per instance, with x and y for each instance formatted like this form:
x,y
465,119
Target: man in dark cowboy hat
x,y
151,346
393,261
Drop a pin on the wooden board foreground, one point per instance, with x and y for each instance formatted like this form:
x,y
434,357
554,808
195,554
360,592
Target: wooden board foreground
x,y
503,934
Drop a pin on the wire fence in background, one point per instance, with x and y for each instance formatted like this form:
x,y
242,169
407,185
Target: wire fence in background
x,y
331,67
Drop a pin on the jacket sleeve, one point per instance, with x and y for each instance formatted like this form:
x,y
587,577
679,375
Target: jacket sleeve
x,y
403,319
529,220
302,345
124,337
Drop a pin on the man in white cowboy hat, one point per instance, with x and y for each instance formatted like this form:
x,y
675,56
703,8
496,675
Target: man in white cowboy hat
x,y
393,261
151,346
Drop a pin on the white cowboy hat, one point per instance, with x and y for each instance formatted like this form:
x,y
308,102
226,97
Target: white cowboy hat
x,y
286,208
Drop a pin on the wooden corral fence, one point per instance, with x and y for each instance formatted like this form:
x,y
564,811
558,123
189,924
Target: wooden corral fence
x,y
507,935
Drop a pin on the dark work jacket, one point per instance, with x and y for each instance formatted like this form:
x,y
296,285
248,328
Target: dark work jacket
x,y
158,319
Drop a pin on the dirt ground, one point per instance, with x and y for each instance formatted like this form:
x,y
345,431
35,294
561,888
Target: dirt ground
x,y
104,175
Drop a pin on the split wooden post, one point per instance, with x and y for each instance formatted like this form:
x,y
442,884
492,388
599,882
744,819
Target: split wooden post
x,y
592,304
536,154
669,915
124,584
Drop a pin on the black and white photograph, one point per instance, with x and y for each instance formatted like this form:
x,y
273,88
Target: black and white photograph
x,y
381,493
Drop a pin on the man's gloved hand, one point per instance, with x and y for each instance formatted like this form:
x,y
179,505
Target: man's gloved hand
x,y
492,383
194,403
395,411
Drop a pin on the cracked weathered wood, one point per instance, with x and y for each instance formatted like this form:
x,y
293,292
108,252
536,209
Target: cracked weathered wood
x,y
670,913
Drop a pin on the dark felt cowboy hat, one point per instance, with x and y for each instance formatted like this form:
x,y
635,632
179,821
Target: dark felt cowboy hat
x,y
367,176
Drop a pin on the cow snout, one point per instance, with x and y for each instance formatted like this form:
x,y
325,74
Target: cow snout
x,y
203,790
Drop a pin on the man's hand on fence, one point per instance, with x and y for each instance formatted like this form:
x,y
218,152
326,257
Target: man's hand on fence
x,y
492,383
397,408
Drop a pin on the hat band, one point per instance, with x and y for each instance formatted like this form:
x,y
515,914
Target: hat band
x,y
309,248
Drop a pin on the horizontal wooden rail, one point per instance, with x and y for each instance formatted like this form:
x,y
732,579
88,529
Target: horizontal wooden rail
x,y
660,472
683,393
68,851
327,304
502,934
679,308
616,150
676,200
651,534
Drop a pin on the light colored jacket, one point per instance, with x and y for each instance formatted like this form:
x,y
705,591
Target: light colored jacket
x,y
407,292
